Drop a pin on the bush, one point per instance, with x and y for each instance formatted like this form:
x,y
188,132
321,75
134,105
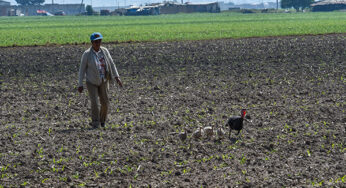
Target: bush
x,y
89,10
247,11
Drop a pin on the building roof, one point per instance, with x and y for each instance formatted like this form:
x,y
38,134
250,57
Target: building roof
x,y
1,1
202,3
4,3
329,2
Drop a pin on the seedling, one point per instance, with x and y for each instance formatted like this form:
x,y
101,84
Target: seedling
x,y
76,176
23,184
96,174
44,180
243,160
61,149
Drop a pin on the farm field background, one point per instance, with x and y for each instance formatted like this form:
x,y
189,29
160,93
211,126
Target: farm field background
x,y
293,88
27,31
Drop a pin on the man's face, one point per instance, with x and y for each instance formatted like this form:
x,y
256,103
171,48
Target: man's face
x,y
96,44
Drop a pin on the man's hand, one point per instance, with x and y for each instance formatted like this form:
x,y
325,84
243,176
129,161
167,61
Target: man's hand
x,y
80,89
119,81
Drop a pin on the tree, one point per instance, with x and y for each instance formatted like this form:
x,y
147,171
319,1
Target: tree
x,y
30,2
286,3
306,3
296,4
89,9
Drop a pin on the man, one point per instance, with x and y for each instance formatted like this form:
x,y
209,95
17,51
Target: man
x,y
98,67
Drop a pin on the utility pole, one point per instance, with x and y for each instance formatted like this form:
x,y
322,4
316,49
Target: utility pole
x,y
80,11
52,2
277,4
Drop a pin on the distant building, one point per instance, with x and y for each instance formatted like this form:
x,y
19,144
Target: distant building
x,y
5,8
144,10
4,3
226,6
68,9
173,8
329,5
110,8
232,6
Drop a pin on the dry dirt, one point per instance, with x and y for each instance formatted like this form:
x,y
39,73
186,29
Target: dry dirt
x,y
293,88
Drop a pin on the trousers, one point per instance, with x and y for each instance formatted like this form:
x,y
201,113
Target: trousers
x,y
98,94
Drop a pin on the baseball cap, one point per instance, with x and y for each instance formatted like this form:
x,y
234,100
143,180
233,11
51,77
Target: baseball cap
x,y
96,36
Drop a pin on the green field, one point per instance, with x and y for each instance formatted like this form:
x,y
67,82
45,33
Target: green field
x,y
76,29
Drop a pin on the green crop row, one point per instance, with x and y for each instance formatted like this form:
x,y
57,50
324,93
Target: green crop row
x,y
76,29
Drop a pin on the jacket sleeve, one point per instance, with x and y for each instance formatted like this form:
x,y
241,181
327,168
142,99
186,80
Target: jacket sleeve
x,y
113,67
82,69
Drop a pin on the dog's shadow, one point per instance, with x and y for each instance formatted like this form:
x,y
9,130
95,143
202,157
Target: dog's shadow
x,y
233,140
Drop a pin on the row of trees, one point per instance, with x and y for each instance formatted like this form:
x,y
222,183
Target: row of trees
x,y
296,4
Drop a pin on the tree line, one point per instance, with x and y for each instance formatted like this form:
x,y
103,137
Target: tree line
x,y
296,4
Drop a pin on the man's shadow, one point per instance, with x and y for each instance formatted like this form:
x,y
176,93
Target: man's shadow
x,y
72,130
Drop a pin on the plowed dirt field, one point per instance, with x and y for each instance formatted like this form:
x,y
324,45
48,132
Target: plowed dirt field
x,y
292,87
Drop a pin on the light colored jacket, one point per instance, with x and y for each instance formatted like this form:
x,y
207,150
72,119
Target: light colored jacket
x,y
88,67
